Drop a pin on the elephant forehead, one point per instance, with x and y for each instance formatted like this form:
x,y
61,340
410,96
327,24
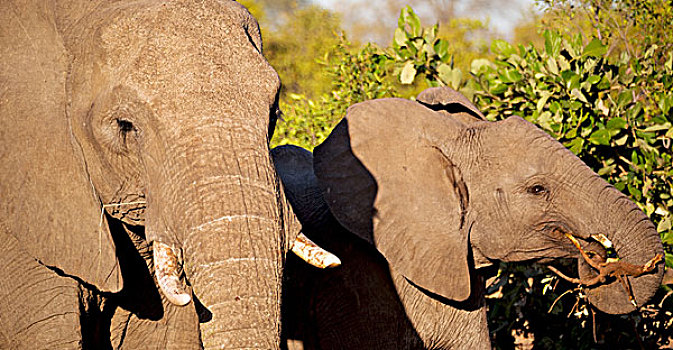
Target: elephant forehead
x,y
189,56
524,148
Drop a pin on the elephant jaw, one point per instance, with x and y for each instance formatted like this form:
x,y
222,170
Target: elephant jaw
x,y
166,267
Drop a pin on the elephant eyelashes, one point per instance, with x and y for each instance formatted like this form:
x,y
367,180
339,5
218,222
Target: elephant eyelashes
x,y
537,190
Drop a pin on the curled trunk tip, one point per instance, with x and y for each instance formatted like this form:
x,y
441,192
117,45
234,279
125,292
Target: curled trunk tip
x,y
166,269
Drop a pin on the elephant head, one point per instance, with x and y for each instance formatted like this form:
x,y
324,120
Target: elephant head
x,y
439,191
155,114
436,194
416,197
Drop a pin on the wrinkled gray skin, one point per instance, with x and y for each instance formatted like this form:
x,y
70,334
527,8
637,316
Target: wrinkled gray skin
x,y
416,198
164,106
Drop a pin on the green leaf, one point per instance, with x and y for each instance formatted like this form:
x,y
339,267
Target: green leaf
x,y
571,79
625,74
578,95
442,48
666,103
669,260
510,76
429,50
480,65
606,170
658,127
624,98
593,79
450,76
408,73
543,100
616,124
410,18
665,225
600,137
634,192
400,37
501,47
552,67
552,43
498,88
563,63
622,140
576,145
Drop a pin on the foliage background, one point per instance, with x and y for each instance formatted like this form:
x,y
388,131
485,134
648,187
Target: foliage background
x,y
595,74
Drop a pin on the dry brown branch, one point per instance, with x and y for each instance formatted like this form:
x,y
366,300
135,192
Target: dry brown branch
x,y
617,269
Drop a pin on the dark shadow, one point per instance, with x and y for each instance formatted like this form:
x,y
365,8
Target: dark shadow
x,y
352,306
451,108
342,166
204,314
140,294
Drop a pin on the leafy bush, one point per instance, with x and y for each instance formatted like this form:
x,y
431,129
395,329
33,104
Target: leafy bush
x,y
356,77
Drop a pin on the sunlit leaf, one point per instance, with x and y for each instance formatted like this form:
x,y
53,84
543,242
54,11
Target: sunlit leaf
x,y
408,73
552,43
595,48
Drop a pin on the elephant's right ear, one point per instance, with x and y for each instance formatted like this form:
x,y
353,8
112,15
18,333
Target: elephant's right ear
x,y
47,201
451,101
387,178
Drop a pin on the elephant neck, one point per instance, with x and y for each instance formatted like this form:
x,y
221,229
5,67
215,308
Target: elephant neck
x,y
444,323
365,304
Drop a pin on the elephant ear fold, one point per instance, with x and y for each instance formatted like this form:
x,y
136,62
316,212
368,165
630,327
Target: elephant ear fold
x,y
386,177
48,203
451,101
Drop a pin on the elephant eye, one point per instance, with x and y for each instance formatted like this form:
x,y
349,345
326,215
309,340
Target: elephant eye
x,y
125,126
537,190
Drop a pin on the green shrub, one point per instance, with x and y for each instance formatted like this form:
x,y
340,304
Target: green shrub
x,y
357,75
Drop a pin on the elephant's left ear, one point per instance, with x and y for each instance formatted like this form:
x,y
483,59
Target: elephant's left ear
x,y
387,178
47,201
449,100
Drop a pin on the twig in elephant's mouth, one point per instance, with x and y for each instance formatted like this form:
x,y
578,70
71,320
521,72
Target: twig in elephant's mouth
x,y
612,267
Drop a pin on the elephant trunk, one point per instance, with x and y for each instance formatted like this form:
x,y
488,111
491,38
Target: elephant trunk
x,y
221,212
234,268
635,241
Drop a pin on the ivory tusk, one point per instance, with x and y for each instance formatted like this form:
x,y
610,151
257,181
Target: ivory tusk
x,y
313,254
166,270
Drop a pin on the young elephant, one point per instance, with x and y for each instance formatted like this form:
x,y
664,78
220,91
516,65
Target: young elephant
x,y
416,197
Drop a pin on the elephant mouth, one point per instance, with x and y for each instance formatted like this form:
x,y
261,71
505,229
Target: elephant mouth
x,y
602,266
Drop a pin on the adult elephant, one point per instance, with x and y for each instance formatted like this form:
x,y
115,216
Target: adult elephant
x,y
134,142
417,197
